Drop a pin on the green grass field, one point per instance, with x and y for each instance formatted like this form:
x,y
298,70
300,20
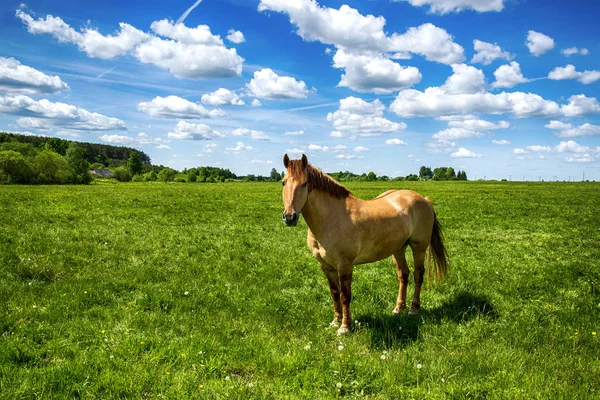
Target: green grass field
x,y
199,291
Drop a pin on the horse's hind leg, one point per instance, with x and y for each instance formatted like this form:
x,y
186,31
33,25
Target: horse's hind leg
x,y
334,287
419,257
399,258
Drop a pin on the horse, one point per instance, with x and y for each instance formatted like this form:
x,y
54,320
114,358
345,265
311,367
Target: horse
x,y
344,231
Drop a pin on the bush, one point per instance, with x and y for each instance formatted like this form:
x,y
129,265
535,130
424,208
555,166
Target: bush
x,y
150,176
51,167
191,177
14,168
138,178
122,174
167,175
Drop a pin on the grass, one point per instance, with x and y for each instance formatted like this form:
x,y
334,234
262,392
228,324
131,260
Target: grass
x,y
199,291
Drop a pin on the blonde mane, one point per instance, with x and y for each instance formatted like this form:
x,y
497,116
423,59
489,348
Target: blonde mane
x,y
317,180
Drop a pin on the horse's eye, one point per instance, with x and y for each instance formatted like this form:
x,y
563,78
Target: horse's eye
x,y
304,184
282,183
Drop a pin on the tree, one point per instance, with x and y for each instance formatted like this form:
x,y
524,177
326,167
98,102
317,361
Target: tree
x,y
450,174
425,173
167,175
134,163
75,156
275,176
50,167
122,174
371,176
14,168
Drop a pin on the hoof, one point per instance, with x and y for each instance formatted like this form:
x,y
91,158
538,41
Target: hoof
x,y
398,310
334,324
343,330
413,311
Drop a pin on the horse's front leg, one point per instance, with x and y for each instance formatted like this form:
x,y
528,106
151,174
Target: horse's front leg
x,y
334,287
345,273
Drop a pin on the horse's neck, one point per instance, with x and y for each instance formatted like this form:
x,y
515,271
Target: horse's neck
x,y
323,211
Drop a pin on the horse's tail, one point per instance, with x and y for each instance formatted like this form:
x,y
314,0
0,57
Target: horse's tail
x,y
437,251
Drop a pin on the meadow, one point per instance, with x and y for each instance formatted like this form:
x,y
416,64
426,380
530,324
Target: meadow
x,y
199,291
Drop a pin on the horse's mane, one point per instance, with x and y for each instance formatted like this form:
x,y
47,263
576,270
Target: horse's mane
x,y
318,180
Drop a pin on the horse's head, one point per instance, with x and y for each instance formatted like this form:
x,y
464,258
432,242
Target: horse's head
x,y
295,188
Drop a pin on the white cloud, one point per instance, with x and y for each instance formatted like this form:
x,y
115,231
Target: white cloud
x,y
190,131
570,131
240,147
456,133
501,142
349,156
356,117
508,76
395,142
360,149
178,31
58,114
475,124
251,133
139,140
374,73
464,79
519,151
255,103
464,153
188,53
222,97
90,41
571,146
434,101
266,84
448,6
538,43
574,50
585,158
335,149
294,133
235,36
539,149
177,107
488,52
268,162
438,146
353,32
16,78
434,43
191,61
569,72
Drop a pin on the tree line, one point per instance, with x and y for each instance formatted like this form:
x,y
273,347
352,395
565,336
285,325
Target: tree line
x,y
43,160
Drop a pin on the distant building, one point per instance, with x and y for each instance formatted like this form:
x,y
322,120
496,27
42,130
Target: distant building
x,y
102,173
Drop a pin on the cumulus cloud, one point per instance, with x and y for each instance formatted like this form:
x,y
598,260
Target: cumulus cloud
x,y
574,50
434,101
486,53
236,37
360,149
569,72
190,131
251,133
16,78
508,76
349,156
335,149
374,73
475,124
268,162
139,140
396,142
464,153
58,114
456,133
177,107
465,79
447,6
502,142
355,33
255,103
438,146
240,147
570,131
222,97
294,133
187,53
356,117
538,43
266,84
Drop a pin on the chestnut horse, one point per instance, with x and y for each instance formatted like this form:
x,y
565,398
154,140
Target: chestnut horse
x,y
344,230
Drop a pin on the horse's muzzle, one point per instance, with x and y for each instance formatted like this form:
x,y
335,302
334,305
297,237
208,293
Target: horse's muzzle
x,y
290,219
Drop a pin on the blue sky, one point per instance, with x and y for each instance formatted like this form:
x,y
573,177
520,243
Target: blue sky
x,y
499,88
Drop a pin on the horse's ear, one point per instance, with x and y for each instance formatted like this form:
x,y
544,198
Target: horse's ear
x,y
286,161
304,161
